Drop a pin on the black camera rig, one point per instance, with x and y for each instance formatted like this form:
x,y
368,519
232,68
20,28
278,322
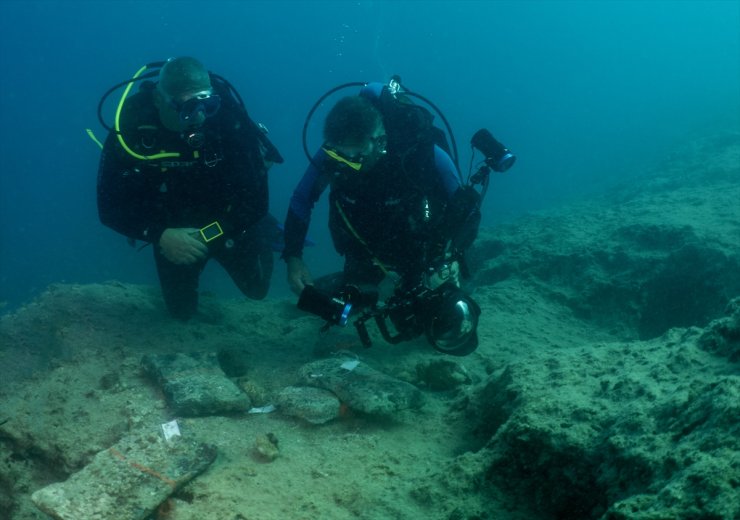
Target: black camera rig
x,y
447,316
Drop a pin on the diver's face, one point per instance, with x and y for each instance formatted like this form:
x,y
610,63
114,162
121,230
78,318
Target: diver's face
x,y
188,109
368,151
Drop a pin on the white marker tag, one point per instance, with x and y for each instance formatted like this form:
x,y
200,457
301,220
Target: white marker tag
x,y
262,409
170,429
350,365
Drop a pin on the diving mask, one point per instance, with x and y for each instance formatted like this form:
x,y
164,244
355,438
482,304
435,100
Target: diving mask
x,y
204,101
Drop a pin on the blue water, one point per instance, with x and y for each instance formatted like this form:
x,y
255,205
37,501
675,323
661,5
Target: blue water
x,y
585,93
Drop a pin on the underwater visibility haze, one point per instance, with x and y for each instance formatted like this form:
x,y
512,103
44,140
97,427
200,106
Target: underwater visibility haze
x,y
585,93
606,377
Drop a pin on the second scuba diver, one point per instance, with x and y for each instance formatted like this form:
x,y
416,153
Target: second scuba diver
x,y
185,169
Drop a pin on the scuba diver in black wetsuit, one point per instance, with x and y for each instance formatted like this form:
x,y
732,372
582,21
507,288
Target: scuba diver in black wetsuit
x,y
388,197
185,169
397,204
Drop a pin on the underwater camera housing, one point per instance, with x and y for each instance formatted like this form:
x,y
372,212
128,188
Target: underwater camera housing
x,y
447,316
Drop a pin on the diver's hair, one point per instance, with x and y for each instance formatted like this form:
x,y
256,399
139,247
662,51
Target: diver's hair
x,y
183,74
352,120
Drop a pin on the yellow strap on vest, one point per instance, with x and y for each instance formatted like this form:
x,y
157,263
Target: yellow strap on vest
x,y
118,126
359,238
92,136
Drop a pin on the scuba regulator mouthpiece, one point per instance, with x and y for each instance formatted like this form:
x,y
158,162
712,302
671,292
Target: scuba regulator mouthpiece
x,y
498,157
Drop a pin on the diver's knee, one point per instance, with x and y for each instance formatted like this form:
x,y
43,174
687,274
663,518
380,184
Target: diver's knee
x,y
256,293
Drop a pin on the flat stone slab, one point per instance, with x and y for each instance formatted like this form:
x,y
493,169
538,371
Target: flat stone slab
x,y
361,387
127,481
194,384
311,404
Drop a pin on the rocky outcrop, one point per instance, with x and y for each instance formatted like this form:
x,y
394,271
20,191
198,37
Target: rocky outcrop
x,y
722,337
638,261
644,426
622,431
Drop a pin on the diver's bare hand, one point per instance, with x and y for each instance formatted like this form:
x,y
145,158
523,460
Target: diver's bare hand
x,y
181,246
298,274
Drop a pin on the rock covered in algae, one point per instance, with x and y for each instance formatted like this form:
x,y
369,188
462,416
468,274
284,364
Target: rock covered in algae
x,y
361,387
311,404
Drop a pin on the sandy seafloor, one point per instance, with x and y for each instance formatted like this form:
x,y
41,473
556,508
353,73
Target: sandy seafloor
x,y
606,384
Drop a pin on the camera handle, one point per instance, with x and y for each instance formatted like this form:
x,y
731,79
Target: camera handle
x,y
482,176
380,316
362,330
383,328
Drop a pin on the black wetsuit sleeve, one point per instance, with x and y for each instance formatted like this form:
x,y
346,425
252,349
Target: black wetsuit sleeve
x,y
126,202
302,202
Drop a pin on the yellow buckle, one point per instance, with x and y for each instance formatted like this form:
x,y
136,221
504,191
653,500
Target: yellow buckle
x,y
211,232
